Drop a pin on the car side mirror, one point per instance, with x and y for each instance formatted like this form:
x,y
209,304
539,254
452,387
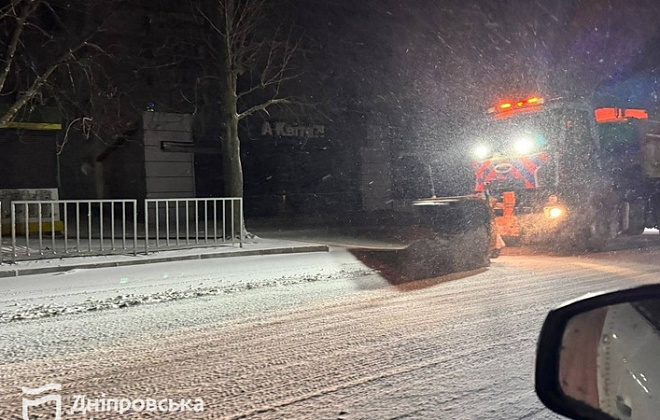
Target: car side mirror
x,y
599,357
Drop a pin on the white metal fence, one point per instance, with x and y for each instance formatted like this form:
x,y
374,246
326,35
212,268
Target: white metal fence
x,y
65,228
2,250
73,227
182,222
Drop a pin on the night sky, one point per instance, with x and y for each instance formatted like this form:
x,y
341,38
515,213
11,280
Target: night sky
x,y
432,67
452,58
420,70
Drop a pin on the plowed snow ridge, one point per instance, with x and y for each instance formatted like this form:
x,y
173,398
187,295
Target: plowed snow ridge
x,y
462,349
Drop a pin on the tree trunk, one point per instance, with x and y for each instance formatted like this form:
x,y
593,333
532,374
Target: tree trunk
x,y
231,155
232,170
231,147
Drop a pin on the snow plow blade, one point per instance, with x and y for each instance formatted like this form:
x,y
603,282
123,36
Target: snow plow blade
x,y
457,236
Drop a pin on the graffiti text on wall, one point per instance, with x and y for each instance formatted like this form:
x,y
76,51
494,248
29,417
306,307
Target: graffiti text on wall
x,y
282,129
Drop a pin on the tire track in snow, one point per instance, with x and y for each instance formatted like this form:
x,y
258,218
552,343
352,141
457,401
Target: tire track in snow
x,y
297,360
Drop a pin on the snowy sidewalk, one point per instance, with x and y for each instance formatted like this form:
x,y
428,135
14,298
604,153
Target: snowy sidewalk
x,y
79,290
259,246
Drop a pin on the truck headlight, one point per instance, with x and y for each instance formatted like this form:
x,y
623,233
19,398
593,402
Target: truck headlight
x,y
524,146
481,152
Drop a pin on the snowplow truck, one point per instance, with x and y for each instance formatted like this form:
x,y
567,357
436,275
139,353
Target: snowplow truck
x,y
562,173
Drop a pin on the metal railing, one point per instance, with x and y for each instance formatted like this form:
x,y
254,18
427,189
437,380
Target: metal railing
x,y
2,252
178,222
66,228
109,226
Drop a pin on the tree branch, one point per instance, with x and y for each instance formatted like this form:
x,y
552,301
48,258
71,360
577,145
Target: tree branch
x,y
263,107
280,73
28,9
38,83
7,10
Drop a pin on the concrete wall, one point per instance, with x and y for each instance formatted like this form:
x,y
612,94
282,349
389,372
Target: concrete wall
x,y
168,174
123,169
27,159
131,168
376,171
81,177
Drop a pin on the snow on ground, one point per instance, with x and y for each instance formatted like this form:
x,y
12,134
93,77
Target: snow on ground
x,y
81,290
102,257
354,347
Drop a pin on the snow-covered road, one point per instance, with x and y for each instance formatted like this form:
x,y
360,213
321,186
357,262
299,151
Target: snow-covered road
x,y
347,345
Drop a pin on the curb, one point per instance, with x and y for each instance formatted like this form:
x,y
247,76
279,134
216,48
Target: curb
x,y
111,264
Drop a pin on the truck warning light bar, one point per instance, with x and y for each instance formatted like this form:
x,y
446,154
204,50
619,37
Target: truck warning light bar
x,y
512,106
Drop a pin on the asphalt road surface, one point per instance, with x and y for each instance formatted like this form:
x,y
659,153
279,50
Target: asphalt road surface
x,y
348,344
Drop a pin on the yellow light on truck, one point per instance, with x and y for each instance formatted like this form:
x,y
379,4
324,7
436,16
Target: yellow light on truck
x,y
555,213
514,106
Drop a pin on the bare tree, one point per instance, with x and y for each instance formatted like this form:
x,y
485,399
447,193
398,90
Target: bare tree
x,y
255,60
38,39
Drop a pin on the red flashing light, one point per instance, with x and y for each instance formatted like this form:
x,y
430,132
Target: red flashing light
x,y
533,100
619,115
640,114
505,105
606,114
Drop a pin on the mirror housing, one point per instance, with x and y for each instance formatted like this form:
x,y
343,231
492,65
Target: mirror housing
x,y
577,337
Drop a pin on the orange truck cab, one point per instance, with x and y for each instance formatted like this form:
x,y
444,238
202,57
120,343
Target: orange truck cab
x,y
538,164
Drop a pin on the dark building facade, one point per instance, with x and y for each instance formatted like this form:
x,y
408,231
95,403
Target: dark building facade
x,y
346,150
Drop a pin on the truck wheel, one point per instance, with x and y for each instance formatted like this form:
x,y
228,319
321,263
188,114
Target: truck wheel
x,y
636,218
603,225
597,235
578,238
